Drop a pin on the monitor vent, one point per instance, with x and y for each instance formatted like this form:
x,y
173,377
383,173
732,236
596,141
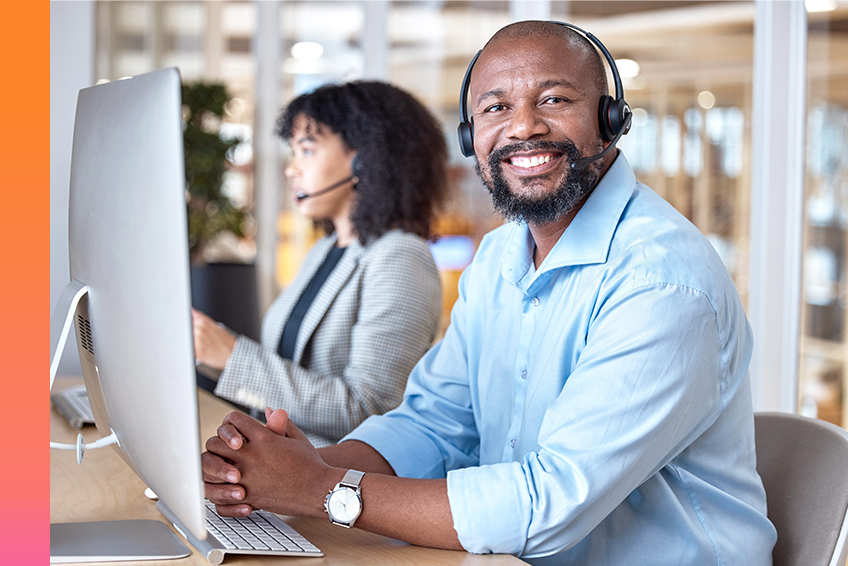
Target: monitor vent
x,y
85,334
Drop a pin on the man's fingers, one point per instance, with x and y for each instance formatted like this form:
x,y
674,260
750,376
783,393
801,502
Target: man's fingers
x,y
230,436
245,425
277,421
216,470
224,493
293,432
241,510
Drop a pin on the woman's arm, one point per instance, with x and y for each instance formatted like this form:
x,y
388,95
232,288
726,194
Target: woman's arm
x,y
392,305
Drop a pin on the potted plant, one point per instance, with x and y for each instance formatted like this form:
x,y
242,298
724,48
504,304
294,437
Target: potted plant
x,y
223,289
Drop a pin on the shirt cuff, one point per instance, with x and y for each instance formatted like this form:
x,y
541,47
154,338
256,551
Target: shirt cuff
x,y
407,449
491,513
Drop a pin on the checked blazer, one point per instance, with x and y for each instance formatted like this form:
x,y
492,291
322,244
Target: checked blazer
x,y
373,318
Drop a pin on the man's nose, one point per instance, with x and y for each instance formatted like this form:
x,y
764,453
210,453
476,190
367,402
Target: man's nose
x,y
525,123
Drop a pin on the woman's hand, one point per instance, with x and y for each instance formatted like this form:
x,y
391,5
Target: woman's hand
x,y
213,344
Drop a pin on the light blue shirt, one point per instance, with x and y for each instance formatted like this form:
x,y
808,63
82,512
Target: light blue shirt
x,y
598,408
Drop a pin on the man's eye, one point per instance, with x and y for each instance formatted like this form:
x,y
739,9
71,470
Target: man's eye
x,y
555,100
494,108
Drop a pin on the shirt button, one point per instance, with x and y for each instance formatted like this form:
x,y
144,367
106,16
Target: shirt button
x,y
524,374
512,443
535,301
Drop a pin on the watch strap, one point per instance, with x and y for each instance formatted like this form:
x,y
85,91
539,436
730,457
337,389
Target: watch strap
x,y
352,479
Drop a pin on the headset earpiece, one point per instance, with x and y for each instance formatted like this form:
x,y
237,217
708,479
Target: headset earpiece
x,y
612,117
465,131
355,170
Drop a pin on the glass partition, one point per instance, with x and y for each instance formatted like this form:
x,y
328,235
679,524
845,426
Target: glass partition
x,y
823,372
208,42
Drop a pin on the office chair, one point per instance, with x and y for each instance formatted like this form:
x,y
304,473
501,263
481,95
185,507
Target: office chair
x,y
804,466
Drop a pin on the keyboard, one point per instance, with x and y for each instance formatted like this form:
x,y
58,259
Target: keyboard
x,y
72,403
260,533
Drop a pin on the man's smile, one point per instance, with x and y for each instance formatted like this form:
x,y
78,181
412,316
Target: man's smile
x,y
535,163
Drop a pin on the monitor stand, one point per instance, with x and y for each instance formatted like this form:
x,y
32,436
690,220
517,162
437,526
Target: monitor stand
x,y
114,541
101,541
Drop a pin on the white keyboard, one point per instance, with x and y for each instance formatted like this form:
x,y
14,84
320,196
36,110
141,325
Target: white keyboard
x,y
260,533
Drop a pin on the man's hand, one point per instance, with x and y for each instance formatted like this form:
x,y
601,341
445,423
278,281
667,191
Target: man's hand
x,y
250,466
213,344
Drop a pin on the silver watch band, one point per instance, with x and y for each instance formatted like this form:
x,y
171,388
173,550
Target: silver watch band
x,y
352,479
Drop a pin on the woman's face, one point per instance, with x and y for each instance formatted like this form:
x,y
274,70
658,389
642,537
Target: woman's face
x,y
321,159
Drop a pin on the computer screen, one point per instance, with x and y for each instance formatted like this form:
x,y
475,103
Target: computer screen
x,y
129,246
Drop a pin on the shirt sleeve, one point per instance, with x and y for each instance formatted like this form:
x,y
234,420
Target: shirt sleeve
x,y
397,316
433,430
648,382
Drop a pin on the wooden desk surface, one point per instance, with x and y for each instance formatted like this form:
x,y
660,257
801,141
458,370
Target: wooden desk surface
x,y
104,488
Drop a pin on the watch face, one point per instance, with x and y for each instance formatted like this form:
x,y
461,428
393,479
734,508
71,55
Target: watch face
x,y
344,505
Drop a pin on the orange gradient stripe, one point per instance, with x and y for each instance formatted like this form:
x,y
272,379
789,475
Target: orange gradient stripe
x,y
24,279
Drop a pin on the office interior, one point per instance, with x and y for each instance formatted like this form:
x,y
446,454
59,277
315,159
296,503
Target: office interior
x,y
740,122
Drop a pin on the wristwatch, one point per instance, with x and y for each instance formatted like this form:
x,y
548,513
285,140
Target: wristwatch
x,y
344,503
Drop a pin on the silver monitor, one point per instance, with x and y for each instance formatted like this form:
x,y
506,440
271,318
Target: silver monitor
x,y
129,295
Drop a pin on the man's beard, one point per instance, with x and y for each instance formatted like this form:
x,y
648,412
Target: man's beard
x,y
547,208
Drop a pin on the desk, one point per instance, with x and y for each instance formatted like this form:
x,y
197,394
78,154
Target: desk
x,y
104,488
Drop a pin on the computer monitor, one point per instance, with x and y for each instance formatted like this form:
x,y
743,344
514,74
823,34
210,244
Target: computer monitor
x,y
129,250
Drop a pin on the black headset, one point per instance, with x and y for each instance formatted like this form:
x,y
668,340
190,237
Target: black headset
x,y
614,114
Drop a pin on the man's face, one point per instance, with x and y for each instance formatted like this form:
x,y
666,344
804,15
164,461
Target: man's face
x,y
535,110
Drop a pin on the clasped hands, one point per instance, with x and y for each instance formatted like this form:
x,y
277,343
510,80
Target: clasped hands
x,y
274,467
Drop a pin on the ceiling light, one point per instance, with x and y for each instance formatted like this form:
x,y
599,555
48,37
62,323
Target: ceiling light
x,y
307,50
627,68
294,66
820,5
706,99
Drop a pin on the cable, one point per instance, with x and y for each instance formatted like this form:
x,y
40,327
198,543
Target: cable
x,y
81,448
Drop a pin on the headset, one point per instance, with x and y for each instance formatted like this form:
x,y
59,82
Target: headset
x,y
614,115
355,170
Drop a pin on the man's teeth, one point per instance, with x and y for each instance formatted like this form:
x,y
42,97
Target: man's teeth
x,y
530,161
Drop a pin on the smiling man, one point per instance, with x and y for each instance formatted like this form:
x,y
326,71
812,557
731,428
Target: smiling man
x,y
590,402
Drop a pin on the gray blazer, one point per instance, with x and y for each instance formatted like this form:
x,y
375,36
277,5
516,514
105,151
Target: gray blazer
x,y
374,317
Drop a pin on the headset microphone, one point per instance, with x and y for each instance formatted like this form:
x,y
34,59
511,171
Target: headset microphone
x,y
584,161
304,196
355,169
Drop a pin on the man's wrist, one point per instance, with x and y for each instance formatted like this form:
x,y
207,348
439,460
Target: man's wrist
x,y
324,485
343,503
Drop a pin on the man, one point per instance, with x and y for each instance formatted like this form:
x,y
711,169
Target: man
x,y
589,402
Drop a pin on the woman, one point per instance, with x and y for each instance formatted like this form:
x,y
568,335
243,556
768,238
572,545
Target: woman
x,y
370,166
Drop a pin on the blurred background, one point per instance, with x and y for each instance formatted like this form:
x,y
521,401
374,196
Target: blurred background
x,y
691,72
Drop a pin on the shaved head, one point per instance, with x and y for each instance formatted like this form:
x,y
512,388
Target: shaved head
x,y
575,40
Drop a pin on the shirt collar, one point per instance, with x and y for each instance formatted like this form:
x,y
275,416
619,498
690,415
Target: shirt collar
x,y
587,239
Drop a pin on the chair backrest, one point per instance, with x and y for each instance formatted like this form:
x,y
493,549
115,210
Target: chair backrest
x,y
804,466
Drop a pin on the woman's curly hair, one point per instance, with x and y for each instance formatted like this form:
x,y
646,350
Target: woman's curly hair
x,y
400,152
